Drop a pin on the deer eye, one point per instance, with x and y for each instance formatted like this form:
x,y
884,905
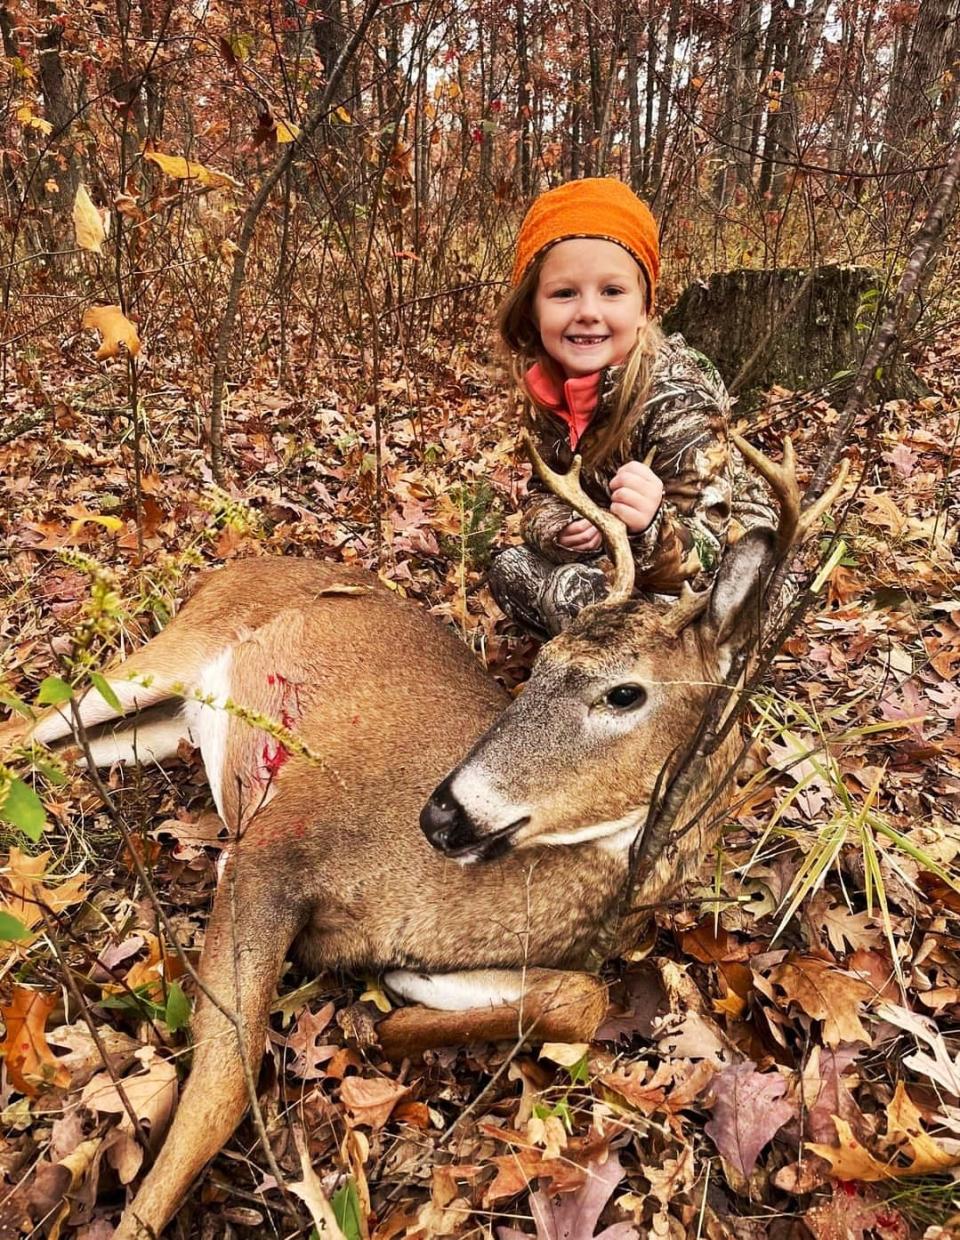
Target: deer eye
x,y
625,697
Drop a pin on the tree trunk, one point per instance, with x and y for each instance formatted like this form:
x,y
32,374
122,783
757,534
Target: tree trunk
x,y
60,113
633,100
805,340
666,87
917,83
524,162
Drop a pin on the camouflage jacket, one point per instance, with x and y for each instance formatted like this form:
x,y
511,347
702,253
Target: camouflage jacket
x,y
709,495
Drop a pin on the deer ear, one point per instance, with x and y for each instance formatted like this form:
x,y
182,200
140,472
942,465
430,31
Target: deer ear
x,y
733,612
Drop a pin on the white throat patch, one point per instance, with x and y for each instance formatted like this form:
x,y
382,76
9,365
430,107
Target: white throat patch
x,y
614,836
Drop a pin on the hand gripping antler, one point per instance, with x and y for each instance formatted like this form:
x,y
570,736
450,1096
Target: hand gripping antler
x,y
794,522
612,530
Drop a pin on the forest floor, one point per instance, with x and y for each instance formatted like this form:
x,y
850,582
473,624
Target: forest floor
x,y
788,1068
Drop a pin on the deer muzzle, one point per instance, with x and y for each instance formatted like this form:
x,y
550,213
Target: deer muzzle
x,y
452,830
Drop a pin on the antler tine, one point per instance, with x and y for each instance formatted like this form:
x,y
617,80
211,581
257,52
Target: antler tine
x,y
614,533
783,482
795,523
690,604
811,515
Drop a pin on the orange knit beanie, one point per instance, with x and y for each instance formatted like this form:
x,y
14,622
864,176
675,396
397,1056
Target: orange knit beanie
x,y
594,207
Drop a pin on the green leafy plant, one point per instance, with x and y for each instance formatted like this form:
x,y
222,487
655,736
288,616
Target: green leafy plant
x,y
480,521
174,1012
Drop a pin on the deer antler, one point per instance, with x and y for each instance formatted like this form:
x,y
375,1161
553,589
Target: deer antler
x,y
689,605
614,533
794,523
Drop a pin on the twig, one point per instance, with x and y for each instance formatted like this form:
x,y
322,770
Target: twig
x,y
81,1003
20,426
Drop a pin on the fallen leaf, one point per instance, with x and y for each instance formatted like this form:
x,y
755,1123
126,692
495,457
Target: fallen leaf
x,y
516,1169
672,1177
302,1041
826,1090
850,1160
31,1064
574,1216
53,1181
821,912
748,1110
310,1191
149,977
879,510
152,1094
825,993
83,1056
115,329
903,459
566,1054
712,945
27,898
370,1101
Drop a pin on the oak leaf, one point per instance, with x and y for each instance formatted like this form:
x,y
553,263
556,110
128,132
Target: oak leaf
x,y
525,1162
842,926
671,1089
370,1101
27,898
87,222
825,993
152,1094
304,1043
115,329
904,1138
667,1181
748,1110
574,1216
31,1065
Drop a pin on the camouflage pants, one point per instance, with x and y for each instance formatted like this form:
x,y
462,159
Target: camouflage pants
x,y
541,596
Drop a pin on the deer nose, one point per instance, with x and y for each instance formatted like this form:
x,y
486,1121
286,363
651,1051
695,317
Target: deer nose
x,y
444,822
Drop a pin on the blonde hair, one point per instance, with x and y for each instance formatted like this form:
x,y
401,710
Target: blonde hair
x,y
521,337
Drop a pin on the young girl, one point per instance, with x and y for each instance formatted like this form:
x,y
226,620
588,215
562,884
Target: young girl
x,y
647,414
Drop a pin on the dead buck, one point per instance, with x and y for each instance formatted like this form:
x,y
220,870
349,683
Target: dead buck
x,y
383,702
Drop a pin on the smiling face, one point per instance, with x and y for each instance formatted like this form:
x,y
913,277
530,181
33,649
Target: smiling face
x,y
589,305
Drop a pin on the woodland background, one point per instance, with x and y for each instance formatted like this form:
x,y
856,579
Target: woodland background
x,y
249,260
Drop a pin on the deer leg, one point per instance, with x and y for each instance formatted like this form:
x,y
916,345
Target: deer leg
x,y
251,928
491,1005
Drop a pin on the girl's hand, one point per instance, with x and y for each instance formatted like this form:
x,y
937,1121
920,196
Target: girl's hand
x,y
635,494
580,535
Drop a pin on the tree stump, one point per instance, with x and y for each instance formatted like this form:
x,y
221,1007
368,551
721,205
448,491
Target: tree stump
x,y
811,328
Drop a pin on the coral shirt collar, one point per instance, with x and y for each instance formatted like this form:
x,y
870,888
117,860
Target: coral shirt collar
x,y
575,401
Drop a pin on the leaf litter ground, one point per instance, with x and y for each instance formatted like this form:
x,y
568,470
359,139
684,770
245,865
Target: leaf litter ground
x,y
780,1059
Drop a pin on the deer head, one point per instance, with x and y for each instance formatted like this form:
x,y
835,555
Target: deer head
x,y
577,755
